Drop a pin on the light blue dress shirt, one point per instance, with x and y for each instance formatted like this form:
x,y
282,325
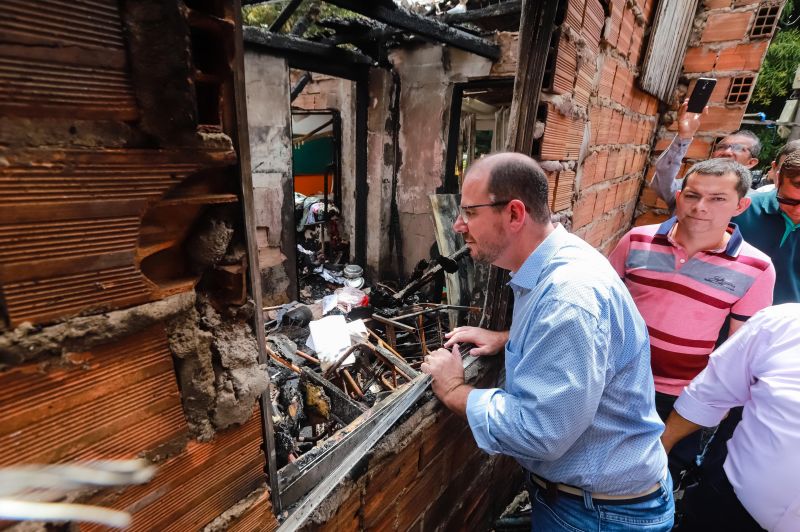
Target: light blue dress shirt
x,y
578,406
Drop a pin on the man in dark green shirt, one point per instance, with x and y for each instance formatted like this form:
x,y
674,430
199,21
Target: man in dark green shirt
x,y
772,224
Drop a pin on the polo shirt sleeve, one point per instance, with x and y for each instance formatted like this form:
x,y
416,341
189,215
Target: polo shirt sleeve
x,y
555,389
618,257
724,383
759,295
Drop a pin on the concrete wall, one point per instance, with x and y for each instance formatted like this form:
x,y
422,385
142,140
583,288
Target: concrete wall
x,y
427,74
269,126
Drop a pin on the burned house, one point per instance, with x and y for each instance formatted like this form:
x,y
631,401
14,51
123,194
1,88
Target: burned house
x,y
151,154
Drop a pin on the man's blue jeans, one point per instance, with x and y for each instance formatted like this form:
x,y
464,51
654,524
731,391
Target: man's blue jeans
x,y
572,514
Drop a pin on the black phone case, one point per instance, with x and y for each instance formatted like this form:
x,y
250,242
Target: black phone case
x,y
701,94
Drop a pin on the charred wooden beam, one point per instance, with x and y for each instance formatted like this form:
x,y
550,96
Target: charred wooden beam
x,y
422,26
535,30
301,84
362,185
284,15
497,10
307,55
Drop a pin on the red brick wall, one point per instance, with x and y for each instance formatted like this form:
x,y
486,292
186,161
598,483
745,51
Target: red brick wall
x,y
599,125
720,46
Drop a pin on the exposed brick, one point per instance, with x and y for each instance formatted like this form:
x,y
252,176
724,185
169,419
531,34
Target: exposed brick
x,y
589,170
607,77
699,149
716,4
390,477
739,3
583,210
742,56
649,218
611,165
722,119
726,27
699,60
651,199
600,203
420,495
439,436
720,90
602,164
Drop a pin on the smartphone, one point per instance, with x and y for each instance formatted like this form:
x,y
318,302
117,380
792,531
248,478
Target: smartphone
x,y
701,94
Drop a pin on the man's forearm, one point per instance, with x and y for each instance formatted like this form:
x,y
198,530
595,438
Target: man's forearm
x,y
456,399
677,428
667,168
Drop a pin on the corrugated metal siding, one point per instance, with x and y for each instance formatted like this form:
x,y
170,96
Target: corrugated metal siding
x,y
665,51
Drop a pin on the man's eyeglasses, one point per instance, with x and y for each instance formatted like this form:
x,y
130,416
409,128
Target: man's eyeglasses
x,y
463,210
787,201
734,147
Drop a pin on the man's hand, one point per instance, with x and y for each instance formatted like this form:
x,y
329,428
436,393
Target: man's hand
x,y
689,123
486,342
447,371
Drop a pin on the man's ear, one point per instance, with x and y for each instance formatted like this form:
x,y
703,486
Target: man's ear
x,y
744,203
517,213
752,162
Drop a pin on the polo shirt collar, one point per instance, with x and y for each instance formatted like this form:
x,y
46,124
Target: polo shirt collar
x,y
734,244
771,206
528,274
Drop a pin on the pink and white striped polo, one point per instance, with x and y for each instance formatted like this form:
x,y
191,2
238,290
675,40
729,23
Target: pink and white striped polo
x,y
685,301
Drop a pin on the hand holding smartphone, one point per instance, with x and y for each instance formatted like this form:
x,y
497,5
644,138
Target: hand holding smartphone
x,y
701,94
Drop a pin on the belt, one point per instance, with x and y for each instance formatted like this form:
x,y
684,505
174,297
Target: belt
x,y
552,488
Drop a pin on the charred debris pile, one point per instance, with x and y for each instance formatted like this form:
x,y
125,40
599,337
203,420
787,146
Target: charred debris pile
x,y
334,357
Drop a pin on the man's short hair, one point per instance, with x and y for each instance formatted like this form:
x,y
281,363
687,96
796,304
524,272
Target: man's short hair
x,y
518,176
788,148
721,167
755,149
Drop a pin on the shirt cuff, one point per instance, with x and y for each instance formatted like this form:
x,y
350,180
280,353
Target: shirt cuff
x,y
478,403
697,411
683,142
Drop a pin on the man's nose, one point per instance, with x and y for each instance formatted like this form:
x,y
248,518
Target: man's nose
x,y
459,226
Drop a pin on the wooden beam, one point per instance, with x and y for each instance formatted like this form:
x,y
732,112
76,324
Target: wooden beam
x,y
535,30
425,27
284,15
307,55
497,10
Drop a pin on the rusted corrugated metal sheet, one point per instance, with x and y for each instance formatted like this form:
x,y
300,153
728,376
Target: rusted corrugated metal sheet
x,y
194,487
114,402
61,60
70,222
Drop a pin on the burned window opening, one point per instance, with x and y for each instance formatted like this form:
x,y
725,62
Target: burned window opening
x,y
478,120
765,21
739,91
548,81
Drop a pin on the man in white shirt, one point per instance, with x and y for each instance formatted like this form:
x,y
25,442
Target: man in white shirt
x,y
759,483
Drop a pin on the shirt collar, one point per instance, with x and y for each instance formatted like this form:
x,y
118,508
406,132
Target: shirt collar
x,y
528,274
771,206
734,244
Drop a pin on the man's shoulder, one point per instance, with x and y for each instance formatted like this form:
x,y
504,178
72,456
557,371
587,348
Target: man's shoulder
x,y
753,256
759,204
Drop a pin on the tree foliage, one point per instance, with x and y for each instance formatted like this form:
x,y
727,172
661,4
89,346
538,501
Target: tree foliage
x,y
779,67
265,14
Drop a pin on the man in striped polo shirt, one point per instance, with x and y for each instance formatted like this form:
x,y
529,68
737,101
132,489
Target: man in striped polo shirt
x,y
691,274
